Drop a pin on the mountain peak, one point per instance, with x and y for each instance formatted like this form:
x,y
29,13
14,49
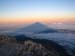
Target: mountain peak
x,y
35,27
38,23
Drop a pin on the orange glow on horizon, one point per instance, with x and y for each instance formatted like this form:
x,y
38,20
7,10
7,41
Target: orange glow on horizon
x,y
30,20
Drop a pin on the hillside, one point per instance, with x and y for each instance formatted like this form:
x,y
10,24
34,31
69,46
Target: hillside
x,y
9,46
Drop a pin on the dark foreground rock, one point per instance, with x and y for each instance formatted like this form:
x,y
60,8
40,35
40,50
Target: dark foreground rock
x,y
29,47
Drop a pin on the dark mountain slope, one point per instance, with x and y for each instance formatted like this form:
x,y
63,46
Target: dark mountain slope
x,y
29,47
48,44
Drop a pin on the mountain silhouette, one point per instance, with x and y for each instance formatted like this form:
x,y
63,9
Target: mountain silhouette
x,y
37,28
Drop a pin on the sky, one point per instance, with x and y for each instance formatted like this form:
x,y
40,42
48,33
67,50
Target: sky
x,y
28,11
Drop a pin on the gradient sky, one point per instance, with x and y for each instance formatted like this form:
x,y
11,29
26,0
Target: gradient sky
x,y
27,11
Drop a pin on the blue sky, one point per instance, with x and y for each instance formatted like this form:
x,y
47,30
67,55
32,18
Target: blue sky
x,y
15,7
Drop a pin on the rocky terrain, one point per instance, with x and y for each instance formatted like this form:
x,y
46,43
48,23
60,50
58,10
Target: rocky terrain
x,y
10,46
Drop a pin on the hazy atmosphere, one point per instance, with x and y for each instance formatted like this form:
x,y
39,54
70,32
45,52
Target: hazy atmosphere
x,y
37,27
54,13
